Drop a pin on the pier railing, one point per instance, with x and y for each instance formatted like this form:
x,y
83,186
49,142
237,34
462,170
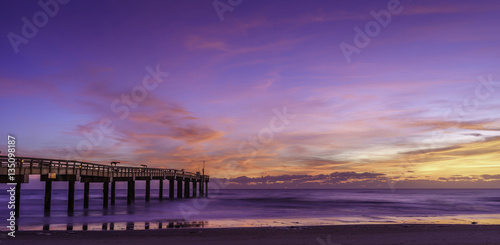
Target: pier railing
x,y
30,165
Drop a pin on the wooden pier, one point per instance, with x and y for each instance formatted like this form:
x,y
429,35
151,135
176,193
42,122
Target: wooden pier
x,y
72,171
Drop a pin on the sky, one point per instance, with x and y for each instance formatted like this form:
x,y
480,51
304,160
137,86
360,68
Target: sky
x,y
284,94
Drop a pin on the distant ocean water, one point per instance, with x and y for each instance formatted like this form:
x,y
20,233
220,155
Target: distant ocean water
x,y
231,208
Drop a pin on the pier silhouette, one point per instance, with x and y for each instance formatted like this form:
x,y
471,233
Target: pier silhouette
x,y
70,171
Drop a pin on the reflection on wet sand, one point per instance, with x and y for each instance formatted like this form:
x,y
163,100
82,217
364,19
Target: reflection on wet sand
x,y
127,225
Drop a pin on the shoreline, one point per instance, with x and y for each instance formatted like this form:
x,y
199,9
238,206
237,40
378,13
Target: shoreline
x,y
331,234
162,224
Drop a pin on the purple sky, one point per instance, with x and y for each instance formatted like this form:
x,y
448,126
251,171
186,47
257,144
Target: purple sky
x,y
419,102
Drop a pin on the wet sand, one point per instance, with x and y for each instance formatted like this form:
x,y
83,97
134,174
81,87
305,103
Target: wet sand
x,y
341,234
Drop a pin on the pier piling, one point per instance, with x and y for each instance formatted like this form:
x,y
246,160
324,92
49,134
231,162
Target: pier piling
x,y
148,190
86,190
160,194
105,193
171,189
18,199
179,188
48,196
130,191
186,188
194,187
201,189
206,188
113,193
71,197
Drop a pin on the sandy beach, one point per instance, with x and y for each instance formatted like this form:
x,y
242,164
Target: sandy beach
x,y
343,234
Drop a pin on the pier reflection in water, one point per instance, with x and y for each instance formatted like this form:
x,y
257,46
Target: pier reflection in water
x,y
153,225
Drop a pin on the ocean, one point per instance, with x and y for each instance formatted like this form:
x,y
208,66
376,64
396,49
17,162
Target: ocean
x,y
246,208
